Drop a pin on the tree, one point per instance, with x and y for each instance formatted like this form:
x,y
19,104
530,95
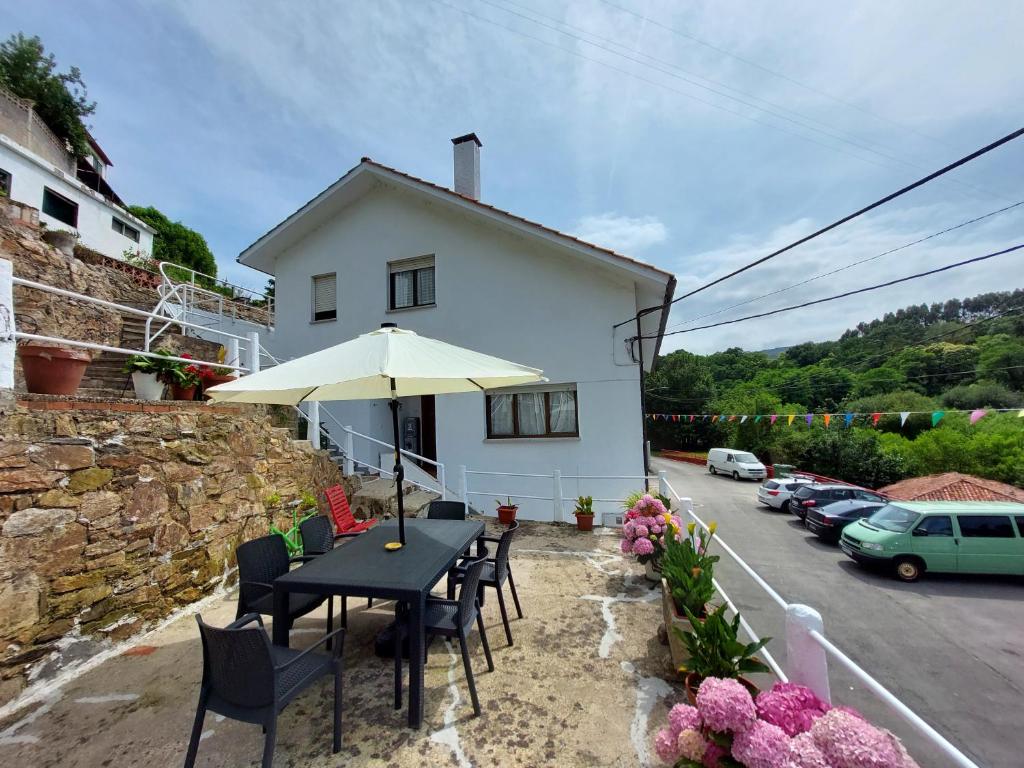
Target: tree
x,y
59,97
176,243
1001,358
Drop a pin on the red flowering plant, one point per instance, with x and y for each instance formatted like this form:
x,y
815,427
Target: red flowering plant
x,y
181,374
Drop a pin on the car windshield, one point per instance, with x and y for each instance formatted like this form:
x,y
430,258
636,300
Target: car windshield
x,y
746,458
893,518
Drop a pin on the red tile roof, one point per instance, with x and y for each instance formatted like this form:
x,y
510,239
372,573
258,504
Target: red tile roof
x,y
952,486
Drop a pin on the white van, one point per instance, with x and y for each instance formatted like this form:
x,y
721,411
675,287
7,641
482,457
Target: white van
x,y
740,465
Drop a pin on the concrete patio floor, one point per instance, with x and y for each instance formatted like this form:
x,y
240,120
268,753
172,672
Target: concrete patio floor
x,y
583,685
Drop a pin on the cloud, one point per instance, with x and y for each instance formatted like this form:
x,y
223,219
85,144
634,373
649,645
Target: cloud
x,y
625,234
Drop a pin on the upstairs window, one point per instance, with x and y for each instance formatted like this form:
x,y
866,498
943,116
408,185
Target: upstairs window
x,y
411,283
533,413
59,207
325,297
5,183
124,229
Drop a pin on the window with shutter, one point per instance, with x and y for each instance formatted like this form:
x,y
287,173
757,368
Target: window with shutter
x,y
411,283
325,301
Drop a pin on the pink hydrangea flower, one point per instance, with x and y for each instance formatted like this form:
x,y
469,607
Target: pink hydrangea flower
x,y
713,754
629,529
657,529
642,532
847,741
725,705
804,753
792,707
626,546
665,745
761,745
682,717
691,744
643,547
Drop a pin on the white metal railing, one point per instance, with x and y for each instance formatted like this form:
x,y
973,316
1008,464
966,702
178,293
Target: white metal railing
x,y
7,277
243,302
351,461
807,649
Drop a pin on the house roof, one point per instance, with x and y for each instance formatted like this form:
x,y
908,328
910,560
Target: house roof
x,y
518,221
952,486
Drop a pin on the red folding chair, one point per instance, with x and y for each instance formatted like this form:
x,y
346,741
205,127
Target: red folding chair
x,y
345,523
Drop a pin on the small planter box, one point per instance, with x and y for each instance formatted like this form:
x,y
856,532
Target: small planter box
x,y
676,647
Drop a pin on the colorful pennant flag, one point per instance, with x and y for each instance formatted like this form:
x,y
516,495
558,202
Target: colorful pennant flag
x,y
775,417
732,418
810,418
977,415
714,419
937,417
1021,413
790,421
692,417
875,417
745,418
849,419
903,417
827,417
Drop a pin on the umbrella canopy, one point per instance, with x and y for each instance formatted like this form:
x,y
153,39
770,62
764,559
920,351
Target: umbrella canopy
x,y
388,362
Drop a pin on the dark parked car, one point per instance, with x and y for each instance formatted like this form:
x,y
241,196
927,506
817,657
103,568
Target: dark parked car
x,y
820,494
827,522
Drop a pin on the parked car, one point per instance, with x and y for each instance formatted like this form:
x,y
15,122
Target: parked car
x,y
943,536
741,465
820,494
777,493
827,522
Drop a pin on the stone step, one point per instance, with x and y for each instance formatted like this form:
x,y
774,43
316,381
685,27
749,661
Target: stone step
x,y
376,498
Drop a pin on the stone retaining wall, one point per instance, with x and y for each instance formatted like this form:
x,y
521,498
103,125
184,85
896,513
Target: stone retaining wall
x,y
114,513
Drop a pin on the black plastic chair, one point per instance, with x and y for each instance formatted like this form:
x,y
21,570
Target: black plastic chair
x,y
247,678
495,573
446,510
260,561
449,618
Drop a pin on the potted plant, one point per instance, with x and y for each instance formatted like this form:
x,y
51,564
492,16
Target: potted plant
x,y
183,378
220,374
585,513
715,651
686,585
52,370
145,373
507,511
643,532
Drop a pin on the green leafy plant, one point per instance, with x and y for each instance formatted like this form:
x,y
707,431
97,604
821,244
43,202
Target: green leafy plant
x,y
585,505
145,364
508,504
273,500
688,569
715,649
307,501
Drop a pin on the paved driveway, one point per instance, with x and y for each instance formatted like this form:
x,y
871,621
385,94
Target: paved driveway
x,y
951,647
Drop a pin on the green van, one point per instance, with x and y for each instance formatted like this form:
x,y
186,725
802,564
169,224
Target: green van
x,y
941,536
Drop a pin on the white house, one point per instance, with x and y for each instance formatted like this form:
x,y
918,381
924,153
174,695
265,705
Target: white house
x,y
36,169
380,245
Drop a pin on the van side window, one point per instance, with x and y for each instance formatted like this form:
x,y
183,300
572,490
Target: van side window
x,y
939,525
1020,525
985,526
729,458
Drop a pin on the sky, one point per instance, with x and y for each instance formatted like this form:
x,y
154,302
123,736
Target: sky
x,y
695,136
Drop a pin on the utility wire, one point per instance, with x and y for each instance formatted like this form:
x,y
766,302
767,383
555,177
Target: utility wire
x,y
849,217
846,293
777,110
848,266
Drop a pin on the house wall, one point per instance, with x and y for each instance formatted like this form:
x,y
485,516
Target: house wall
x,y
30,173
496,293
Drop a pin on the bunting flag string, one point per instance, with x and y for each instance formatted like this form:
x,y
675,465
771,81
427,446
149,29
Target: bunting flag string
x,y
974,416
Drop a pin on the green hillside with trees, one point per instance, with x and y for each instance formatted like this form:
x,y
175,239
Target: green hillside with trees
x,y
961,354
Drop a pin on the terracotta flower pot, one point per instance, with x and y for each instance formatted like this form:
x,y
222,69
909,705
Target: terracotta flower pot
x,y
183,393
693,681
53,370
507,514
585,522
214,380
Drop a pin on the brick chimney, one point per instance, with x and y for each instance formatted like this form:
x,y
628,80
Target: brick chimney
x,y
467,165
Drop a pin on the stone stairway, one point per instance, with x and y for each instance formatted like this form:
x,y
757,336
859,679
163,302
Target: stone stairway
x,y
105,377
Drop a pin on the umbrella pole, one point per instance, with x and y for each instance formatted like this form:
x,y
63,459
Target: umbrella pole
x,y
399,470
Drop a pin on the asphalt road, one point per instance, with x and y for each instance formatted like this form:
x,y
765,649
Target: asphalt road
x,y
950,647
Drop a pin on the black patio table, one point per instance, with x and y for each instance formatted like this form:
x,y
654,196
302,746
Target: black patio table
x,y
363,568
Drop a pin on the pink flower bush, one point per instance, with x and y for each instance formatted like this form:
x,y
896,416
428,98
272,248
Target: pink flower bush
x,y
665,744
645,522
713,755
848,741
643,547
761,745
804,753
691,744
725,705
792,707
682,717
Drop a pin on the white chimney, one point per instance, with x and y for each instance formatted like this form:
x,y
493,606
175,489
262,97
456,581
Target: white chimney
x,y
467,165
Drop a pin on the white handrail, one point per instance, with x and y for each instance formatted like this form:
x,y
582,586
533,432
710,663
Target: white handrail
x,y
405,452
195,272
507,474
119,350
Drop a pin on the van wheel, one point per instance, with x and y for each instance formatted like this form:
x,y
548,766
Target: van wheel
x,y
909,568
712,470
735,475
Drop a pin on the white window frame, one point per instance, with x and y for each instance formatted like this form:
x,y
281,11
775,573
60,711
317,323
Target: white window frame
x,y
123,228
426,261
312,298
545,389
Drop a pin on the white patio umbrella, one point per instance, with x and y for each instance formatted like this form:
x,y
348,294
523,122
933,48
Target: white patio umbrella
x,y
386,363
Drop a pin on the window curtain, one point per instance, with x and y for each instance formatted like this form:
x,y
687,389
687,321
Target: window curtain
x,y
563,411
425,285
531,413
501,415
402,282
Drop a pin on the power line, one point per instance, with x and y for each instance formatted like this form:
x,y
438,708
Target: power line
x,y
654,22
828,130
657,84
846,293
850,265
849,217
